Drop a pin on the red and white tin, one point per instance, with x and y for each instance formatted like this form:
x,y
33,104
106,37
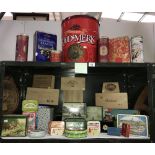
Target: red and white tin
x,y
22,47
80,34
56,56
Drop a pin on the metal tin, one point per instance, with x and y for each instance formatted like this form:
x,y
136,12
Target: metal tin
x,y
73,110
137,51
31,118
44,43
93,128
75,128
55,56
103,49
14,126
77,124
125,129
94,113
56,127
119,50
37,134
80,35
21,47
29,105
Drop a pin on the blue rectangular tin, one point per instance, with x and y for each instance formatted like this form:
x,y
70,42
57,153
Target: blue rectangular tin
x,y
44,43
114,131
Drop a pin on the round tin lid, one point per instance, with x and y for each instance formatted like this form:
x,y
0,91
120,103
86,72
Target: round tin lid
x,y
81,16
23,34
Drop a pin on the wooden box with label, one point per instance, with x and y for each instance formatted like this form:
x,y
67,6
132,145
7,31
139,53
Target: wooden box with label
x,y
112,100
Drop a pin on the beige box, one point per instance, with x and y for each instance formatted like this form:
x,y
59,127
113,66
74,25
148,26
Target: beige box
x,y
44,96
72,83
73,96
43,81
112,100
112,87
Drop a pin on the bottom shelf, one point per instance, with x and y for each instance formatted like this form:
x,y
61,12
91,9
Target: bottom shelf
x,y
103,137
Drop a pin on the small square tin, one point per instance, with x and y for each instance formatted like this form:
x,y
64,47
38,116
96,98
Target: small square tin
x,y
93,128
94,113
56,128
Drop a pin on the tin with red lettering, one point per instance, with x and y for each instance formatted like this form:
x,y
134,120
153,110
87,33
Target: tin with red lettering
x,y
103,48
80,34
21,47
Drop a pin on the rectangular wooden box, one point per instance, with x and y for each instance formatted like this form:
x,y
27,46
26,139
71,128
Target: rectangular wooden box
x,y
73,96
43,81
44,96
112,100
72,83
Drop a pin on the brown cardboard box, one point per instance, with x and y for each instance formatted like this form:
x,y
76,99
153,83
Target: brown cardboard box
x,y
44,96
43,81
112,100
111,87
72,83
73,96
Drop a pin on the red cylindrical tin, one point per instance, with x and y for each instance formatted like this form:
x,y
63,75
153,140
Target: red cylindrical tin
x,y
79,38
55,56
22,47
103,48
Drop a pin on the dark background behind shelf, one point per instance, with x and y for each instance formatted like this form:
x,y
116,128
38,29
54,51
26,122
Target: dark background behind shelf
x,y
131,80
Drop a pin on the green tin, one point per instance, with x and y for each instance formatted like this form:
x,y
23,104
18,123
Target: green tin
x,y
75,128
14,126
30,105
76,134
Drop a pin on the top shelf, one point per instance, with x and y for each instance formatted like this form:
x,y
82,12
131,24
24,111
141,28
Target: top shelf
x,y
72,64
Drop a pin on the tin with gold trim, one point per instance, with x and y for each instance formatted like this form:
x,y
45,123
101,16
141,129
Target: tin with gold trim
x,y
80,34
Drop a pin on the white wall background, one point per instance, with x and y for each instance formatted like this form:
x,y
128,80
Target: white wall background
x,y
108,27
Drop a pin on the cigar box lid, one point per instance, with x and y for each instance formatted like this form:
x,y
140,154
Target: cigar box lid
x,y
43,81
72,83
